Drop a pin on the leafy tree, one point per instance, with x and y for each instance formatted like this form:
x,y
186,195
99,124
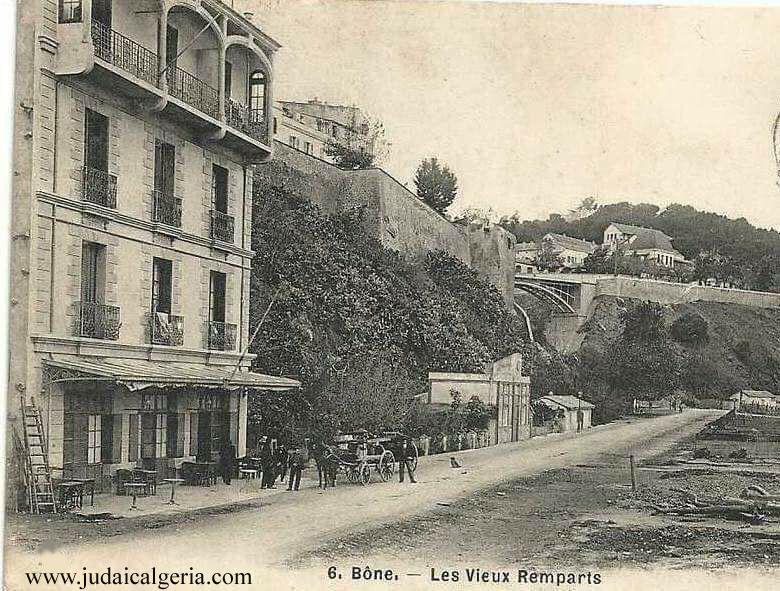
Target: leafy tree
x,y
361,144
478,414
598,261
690,329
547,257
436,184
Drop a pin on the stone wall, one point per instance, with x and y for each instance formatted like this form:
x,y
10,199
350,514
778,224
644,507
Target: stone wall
x,y
394,215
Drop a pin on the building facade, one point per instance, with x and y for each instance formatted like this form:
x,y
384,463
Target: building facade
x,y
311,126
573,414
502,385
572,252
646,243
138,126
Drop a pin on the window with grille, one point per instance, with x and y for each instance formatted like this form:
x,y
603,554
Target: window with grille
x,y
164,167
217,287
161,285
257,95
92,272
70,11
219,188
228,80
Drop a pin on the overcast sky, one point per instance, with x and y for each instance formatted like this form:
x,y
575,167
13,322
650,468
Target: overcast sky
x,y
535,107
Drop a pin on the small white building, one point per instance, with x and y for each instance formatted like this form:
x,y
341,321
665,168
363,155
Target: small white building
x,y
575,413
571,251
753,399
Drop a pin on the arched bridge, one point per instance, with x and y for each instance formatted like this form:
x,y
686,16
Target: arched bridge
x,y
562,296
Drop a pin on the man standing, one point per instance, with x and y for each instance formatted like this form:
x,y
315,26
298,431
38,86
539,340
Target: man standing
x,y
281,461
227,461
298,460
404,461
267,463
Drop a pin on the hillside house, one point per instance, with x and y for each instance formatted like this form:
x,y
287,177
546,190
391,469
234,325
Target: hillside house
x,y
574,414
502,385
571,251
646,243
525,257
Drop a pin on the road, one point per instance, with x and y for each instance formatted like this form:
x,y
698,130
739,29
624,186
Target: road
x,y
289,524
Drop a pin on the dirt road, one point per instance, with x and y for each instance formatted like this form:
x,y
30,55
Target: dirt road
x,y
289,525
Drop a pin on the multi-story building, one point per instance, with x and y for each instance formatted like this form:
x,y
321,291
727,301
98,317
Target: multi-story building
x,y
646,243
311,126
137,126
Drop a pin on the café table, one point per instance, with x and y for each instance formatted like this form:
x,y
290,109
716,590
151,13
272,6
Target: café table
x,y
71,494
173,482
149,478
135,488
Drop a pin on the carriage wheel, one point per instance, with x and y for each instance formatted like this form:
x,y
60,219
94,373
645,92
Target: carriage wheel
x,y
415,454
386,466
352,473
364,474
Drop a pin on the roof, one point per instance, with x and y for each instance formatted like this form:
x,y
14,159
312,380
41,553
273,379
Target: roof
x,y
570,243
645,237
141,373
568,402
753,394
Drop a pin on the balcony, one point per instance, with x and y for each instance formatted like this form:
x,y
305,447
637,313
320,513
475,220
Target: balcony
x,y
98,186
124,53
221,336
222,226
166,209
97,321
193,91
246,120
166,329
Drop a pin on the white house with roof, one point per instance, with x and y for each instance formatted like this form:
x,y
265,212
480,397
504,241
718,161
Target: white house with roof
x,y
647,243
745,399
574,413
571,251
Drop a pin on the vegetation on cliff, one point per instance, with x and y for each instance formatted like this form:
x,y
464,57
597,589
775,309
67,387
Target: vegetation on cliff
x,y
356,323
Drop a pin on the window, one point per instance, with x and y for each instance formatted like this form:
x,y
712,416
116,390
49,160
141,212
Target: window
x,y
276,127
219,188
307,147
70,11
161,285
92,272
154,425
96,141
164,167
228,80
93,439
257,96
294,142
172,49
217,286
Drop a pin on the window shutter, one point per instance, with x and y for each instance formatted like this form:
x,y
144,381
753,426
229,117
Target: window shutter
x,y
193,434
133,438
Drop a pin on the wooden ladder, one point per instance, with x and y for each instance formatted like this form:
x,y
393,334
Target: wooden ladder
x,y
40,489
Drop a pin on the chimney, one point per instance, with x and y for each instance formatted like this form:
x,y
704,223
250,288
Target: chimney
x,y
249,16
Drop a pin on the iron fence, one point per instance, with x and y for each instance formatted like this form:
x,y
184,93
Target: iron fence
x,y
222,226
124,53
166,209
98,321
167,329
98,186
193,91
222,336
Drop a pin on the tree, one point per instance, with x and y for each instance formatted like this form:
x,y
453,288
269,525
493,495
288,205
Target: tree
x,y
361,144
547,257
598,261
436,184
690,329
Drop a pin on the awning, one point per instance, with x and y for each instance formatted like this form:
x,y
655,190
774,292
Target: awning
x,y
140,373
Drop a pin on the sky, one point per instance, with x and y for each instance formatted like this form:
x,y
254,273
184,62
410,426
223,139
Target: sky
x,y
535,107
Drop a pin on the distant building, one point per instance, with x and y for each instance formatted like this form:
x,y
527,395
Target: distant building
x,y
310,126
525,257
574,413
647,243
753,400
571,251
502,385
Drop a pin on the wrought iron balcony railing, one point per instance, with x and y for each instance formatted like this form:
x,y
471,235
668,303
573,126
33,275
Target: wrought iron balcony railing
x,y
124,53
98,186
193,91
249,121
222,226
167,329
166,209
222,336
98,321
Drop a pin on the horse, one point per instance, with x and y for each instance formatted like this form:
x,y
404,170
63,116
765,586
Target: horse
x,y
327,461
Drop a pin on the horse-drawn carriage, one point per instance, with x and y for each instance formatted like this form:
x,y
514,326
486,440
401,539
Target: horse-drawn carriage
x,y
360,453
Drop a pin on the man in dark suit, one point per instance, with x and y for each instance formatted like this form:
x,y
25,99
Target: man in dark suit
x,y
299,458
406,455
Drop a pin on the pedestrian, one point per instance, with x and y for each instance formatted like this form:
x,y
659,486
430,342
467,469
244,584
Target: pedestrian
x,y
406,455
298,460
280,461
227,461
267,464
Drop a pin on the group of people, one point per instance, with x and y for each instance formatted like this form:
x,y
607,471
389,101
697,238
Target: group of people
x,y
277,461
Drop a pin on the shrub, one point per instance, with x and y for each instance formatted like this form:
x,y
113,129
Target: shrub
x,y
690,329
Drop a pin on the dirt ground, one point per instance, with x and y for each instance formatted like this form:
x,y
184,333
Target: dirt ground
x,y
576,517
